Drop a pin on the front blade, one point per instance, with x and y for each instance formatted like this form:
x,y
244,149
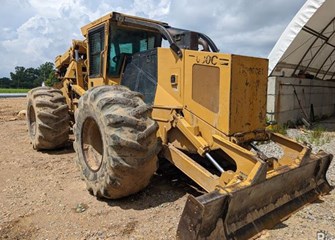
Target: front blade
x,y
243,212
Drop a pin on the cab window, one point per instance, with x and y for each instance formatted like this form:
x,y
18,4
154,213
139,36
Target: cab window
x,y
125,42
95,46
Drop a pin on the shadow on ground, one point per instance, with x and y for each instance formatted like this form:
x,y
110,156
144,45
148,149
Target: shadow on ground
x,y
167,185
64,150
280,226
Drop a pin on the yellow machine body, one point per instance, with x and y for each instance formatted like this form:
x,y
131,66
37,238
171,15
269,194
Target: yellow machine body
x,y
210,104
209,87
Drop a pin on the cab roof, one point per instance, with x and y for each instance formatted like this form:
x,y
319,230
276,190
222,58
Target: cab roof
x,y
117,17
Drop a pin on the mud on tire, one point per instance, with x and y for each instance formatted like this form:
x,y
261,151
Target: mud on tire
x,y
115,141
47,118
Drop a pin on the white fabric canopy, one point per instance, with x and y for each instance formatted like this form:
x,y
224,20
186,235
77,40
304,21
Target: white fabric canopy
x,y
307,46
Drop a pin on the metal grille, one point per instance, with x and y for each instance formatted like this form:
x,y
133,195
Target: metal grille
x,y
140,74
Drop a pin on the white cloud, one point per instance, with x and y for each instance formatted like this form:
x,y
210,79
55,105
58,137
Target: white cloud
x,y
43,36
237,26
151,8
35,31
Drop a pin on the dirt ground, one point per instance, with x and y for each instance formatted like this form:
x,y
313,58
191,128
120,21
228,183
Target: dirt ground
x,y
43,197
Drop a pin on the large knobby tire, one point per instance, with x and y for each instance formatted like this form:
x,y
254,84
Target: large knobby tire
x,y
115,141
47,118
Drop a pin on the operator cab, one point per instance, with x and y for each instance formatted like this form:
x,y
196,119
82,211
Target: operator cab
x,y
123,49
124,41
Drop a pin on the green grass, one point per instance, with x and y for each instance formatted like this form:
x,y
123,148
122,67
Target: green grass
x,y
317,136
13,90
281,129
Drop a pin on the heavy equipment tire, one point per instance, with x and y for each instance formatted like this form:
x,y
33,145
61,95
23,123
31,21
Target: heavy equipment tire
x,y
47,118
115,141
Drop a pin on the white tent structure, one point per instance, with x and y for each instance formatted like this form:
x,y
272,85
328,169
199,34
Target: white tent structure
x,y
302,65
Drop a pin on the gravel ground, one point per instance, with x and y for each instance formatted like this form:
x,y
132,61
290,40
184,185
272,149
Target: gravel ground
x,y
43,197
318,217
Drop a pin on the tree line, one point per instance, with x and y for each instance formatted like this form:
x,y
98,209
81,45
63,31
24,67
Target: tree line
x,y
30,77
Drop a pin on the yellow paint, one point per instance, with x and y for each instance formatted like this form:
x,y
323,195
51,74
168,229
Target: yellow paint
x,y
204,101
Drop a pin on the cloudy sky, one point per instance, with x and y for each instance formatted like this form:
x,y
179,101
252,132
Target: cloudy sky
x,y
35,31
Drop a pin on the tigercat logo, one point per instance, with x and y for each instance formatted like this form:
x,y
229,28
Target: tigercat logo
x,y
251,70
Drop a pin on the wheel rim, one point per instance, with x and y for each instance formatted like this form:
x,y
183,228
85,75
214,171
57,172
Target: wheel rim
x,y
32,121
92,144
